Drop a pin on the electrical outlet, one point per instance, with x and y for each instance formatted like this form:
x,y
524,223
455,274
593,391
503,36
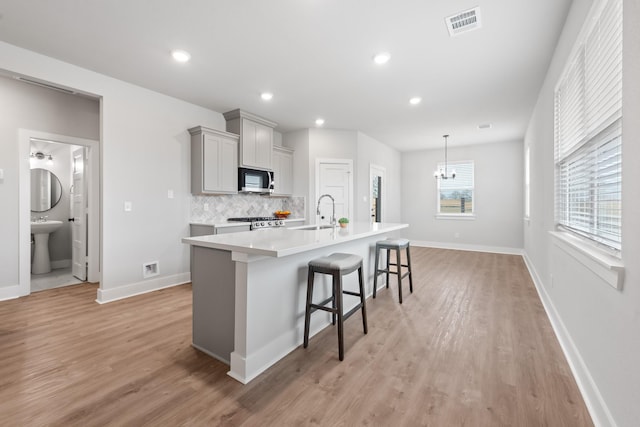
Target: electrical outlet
x,y
128,206
170,194
206,207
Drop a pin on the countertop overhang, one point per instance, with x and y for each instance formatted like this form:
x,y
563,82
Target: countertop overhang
x,y
281,242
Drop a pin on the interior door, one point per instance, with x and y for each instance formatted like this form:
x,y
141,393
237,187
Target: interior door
x,y
79,216
334,179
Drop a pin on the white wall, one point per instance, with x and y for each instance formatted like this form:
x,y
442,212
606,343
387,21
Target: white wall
x,y
597,324
30,107
371,151
498,199
144,153
312,144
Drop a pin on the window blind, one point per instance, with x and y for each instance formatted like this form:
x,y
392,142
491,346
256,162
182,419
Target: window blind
x,y
588,131
455,196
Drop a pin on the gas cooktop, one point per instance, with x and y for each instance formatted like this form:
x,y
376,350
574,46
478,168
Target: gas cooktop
x,y
260,221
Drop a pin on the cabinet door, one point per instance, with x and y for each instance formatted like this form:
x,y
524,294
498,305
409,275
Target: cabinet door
x,y
283,171
264,146
257,145
248,143
211,160
286,173
228,165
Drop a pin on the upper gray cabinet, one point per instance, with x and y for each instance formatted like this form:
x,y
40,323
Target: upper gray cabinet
x,y
214,161
282,171
256,138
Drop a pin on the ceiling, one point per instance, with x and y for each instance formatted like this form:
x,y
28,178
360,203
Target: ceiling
x,y
315,56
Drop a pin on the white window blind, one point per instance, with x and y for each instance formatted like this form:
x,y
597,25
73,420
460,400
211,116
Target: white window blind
x,y
588,131
455,196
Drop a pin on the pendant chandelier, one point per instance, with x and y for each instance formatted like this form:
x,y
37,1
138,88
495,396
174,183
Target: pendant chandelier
x,y
443,172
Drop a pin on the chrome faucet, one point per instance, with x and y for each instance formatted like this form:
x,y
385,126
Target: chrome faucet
x,y
332,221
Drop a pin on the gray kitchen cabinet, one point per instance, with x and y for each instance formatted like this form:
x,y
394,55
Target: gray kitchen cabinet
x,y
214,161
256,138
282,171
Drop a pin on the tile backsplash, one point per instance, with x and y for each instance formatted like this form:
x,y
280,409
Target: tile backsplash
x,y
241,205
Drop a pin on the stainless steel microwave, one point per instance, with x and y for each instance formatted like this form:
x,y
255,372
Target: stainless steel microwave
x,y
255,181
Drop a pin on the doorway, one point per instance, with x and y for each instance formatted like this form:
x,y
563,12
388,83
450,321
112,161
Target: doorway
x,y
378,194
80,215
334,177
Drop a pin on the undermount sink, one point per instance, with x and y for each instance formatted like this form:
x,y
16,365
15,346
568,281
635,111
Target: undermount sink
x,y
315,227
45,227
41,229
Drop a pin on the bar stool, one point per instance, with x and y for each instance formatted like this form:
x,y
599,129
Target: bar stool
x,y
396,245
337,265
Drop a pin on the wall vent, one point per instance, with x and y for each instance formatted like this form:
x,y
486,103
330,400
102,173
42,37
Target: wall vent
x,y
45,85
464,21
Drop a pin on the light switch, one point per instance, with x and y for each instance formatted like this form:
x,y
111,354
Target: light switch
x,y
170,194
128,206
1,174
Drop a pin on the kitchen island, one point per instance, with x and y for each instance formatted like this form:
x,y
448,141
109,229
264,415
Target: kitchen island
x,y
249,289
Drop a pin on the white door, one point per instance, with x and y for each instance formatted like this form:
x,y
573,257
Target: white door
x,y
334,179
79,216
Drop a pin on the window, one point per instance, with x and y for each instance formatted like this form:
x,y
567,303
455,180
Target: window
x,y
455,196
588,131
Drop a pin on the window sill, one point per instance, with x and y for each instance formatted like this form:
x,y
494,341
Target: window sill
x,y
463,217
607,267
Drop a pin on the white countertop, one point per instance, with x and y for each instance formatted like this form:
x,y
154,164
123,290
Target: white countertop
x,y
280,242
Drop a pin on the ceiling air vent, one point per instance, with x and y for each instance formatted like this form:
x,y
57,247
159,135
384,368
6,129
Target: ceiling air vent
x,y
464,21
45,85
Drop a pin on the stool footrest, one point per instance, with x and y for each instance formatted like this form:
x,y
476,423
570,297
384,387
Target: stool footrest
x,y
315,307
355,294
353,310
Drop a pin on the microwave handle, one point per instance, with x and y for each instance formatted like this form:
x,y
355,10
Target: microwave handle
x,y
271,182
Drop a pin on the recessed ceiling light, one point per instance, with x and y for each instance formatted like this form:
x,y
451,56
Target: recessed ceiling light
x,y
415,100
319,122
181,55
267,96
381,58
484,126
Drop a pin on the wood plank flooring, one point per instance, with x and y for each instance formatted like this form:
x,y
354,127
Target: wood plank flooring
x,y
470,347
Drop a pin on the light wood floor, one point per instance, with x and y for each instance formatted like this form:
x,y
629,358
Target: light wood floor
x,y
471,346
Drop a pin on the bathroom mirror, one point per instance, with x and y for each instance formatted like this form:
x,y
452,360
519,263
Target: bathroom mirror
x,y
46,190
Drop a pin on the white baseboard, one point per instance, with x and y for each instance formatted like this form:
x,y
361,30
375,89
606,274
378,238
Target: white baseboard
x,y
12,292
597,407
468,247
126,291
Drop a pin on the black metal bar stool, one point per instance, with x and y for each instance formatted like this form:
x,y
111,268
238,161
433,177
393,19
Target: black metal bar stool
x,y
396,245
337,265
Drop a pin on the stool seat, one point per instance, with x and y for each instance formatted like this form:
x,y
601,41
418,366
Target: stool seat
x,y
388,246
337,265
344,263
393,243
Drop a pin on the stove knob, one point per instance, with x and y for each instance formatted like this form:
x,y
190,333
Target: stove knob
x,y
262,224
269,224
281,223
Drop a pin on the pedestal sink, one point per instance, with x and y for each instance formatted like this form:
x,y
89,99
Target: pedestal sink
x,y
41,230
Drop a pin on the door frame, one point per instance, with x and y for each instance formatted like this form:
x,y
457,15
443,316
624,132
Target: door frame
x,y
93,199
377,170
321,161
